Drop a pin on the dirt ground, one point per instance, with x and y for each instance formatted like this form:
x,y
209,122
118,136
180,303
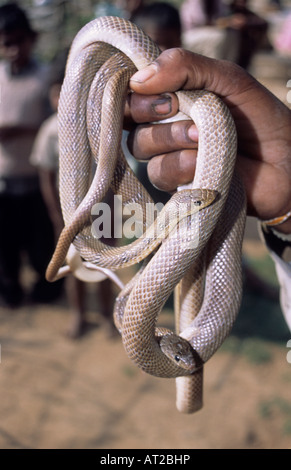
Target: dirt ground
x,y
57,393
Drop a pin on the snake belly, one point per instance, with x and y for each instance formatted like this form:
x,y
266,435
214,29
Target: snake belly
x,y
216,231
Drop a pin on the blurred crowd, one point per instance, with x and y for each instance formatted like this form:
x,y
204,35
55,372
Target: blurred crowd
x,y
30,215
222,29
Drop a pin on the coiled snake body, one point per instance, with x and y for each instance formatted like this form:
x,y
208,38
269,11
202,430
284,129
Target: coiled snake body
x,y
199,256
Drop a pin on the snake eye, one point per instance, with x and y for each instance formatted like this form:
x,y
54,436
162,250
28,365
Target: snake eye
x,y
197,203
177,358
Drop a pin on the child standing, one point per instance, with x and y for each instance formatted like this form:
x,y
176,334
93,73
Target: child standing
x,y
25,225
45,156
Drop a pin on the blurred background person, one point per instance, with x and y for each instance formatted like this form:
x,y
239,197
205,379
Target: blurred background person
x,y
244,28
282,41
200,33
122,8
25,225
221,30
200,13
161,21
45,156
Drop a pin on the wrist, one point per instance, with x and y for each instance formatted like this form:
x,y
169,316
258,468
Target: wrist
x,y
285,237
277,233
284,228
281,224
273,240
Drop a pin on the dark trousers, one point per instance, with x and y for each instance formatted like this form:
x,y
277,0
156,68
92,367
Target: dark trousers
x,y
25,229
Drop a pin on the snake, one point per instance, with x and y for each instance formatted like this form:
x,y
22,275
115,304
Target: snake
x,y
198,256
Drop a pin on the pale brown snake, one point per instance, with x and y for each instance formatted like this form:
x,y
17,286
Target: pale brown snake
x,y
201,257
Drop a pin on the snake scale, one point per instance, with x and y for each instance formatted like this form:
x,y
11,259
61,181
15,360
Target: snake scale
x,y
198,256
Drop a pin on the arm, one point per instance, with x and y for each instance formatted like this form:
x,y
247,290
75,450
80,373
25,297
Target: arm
x,y
51,197
45,157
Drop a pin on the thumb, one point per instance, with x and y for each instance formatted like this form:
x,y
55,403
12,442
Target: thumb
x,y
179,69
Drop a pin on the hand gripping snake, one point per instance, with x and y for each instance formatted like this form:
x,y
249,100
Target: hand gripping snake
x,y
198,255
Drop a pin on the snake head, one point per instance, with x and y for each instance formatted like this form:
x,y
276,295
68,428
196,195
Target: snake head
x,y
196,198
179,351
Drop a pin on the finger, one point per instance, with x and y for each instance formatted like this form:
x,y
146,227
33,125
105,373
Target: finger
x,y
149,140
167,172
145,108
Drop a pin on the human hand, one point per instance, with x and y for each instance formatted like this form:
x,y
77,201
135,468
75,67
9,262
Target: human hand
x,y
263,125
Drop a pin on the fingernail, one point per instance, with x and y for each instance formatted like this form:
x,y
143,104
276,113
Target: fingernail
x,y
162,105
193,133
145,74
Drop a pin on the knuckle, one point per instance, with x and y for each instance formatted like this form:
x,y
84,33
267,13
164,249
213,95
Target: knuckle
x,y
176,55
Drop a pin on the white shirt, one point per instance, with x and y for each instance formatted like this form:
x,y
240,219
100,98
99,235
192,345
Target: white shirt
x,y
282,262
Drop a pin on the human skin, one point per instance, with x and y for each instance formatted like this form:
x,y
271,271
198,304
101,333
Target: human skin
x,y
16,49
263,126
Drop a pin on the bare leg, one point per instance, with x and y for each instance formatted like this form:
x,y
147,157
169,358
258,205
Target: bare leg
x,y
75,290
105,296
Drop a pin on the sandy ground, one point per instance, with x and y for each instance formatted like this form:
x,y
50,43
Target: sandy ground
x,y
57,393
62,394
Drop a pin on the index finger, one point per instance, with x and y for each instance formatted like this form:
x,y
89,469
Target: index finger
x,y
149,108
